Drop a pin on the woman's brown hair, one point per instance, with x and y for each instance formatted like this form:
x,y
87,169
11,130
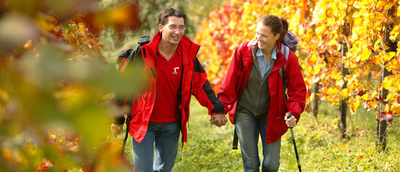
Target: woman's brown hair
x,y
277,25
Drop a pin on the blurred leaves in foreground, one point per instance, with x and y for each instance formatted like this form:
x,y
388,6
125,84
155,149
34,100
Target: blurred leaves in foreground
x,y
56,88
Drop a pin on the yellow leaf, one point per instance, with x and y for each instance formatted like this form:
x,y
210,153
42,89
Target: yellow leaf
x,y
320,30
365,54
312,59
355,106
356,15
331,21
388,56
398,11
365,97
339,83
377,42
332,42
395,108
332,91
386,108
387,82
343,94
357,21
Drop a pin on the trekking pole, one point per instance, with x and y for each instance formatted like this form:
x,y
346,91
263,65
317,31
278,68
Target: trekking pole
x,y
288,115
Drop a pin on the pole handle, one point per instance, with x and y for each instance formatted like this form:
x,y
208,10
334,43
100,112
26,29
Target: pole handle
x,y
288,115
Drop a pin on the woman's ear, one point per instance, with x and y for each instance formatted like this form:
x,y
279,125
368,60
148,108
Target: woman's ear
x,y
276,37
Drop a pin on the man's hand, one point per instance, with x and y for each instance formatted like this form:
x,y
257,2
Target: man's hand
x,y
291,122
218,120
116,129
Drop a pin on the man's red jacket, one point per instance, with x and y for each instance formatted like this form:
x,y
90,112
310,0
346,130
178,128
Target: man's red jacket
x,y
238,75
194,82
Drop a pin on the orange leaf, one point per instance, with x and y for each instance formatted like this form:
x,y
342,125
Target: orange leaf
x,y
126,16
373,103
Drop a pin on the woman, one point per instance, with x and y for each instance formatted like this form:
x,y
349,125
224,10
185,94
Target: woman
x,y
253,93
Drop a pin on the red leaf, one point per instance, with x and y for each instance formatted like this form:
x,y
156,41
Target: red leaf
x,y
361,92
387,116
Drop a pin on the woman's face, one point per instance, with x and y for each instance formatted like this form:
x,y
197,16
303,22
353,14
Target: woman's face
x,y
265,38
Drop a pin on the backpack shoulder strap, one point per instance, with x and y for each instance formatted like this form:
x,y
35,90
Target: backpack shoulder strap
x,y
285,51
131,54
142,41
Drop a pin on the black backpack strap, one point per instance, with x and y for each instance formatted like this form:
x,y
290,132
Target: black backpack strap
x,y
284,87
282,72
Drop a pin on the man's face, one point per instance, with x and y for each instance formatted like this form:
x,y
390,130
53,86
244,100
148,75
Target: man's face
x,y
265,38
173,31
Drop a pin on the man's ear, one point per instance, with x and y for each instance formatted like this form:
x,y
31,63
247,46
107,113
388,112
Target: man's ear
x,y
160,27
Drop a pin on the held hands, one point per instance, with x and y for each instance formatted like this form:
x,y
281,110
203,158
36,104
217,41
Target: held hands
x,y
292,121
116,129
218,120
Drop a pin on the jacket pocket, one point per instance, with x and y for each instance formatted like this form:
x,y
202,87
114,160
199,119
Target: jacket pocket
x,y
279,126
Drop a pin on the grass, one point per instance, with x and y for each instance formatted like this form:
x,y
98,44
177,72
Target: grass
x,y
318,143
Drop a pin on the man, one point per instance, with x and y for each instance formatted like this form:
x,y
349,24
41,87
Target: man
x,y
162,110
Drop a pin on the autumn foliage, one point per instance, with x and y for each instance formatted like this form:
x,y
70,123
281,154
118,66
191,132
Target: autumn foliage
x,y
56,87
324,29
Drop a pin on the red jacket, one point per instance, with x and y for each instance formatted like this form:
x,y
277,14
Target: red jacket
x,y
236,80
194,82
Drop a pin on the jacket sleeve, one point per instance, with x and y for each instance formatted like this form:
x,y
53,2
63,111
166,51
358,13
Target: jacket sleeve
x,y
296,89
228,92
203,92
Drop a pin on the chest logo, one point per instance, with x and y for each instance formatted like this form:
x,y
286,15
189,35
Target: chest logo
x,y
175,70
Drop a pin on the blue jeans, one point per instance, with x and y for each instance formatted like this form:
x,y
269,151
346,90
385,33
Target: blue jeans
x,y
162,140
248,128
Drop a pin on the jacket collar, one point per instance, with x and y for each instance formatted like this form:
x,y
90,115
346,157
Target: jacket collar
x,y
153,45
252,43
281,60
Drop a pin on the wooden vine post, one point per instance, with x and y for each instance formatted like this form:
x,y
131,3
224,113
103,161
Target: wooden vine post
x,y
316,99
381,125
345,72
